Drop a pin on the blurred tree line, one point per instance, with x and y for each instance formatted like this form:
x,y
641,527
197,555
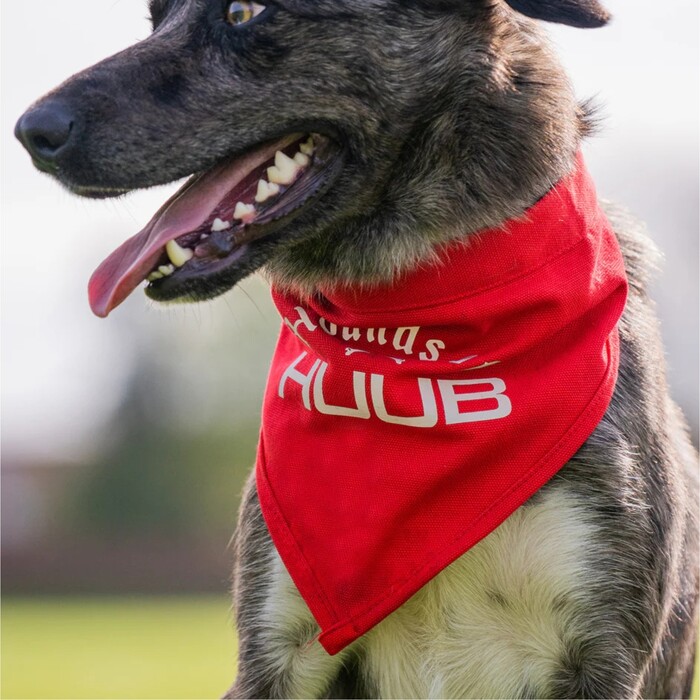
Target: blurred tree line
x,y
153,503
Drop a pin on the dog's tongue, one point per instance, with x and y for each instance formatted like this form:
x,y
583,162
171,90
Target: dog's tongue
x,y
187,210
129,264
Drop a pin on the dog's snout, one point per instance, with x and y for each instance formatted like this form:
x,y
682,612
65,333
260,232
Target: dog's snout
x,y
45,131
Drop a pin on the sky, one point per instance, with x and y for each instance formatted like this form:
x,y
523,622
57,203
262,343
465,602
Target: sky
x,y
63,370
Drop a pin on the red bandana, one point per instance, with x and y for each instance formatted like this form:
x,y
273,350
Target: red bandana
x,y
402,425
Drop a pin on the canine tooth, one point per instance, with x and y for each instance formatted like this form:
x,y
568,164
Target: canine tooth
x,y
284,171
155,275
301,159
244,212
166,270
219,225
308,147
177,254
266,190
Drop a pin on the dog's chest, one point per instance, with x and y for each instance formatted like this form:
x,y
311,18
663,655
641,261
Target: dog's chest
x,y
497,622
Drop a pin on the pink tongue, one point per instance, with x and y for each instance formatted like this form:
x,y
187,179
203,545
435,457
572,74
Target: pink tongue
x,y
185,211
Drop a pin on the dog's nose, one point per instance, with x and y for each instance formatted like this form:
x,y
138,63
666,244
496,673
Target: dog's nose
x,y
45,131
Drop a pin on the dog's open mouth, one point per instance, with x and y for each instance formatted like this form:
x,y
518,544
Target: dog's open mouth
x,y
210,223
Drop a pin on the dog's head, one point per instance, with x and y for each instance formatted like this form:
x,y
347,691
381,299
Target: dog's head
x,y
332,141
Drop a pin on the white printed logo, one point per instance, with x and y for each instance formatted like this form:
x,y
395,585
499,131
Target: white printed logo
x,y
455,401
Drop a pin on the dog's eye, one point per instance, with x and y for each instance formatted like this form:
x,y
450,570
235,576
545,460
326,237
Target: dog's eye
x,y
242,12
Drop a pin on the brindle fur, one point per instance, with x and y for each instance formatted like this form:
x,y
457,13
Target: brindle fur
x,y
455,117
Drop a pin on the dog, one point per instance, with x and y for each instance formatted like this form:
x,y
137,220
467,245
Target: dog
x,y
386,132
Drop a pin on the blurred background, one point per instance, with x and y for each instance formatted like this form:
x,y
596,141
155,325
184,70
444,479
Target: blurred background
x,y
125,442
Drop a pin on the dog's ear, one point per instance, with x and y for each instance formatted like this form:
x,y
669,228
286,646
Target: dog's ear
x,y
575,13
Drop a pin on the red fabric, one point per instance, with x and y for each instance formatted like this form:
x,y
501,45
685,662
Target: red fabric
x,y
503,357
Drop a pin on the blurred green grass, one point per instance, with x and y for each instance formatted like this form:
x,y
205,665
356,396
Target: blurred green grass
x,y
120,648
123,648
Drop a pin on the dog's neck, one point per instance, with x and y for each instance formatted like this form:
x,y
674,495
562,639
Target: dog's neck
x,y
517,135
491,142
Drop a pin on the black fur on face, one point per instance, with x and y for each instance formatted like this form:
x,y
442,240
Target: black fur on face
x,y
453,115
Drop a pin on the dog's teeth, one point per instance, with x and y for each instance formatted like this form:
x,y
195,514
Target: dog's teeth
x,y
244,212
219,225
177,254
266,190
204,237
261,195
166,270
155,275
274,175
301,159
282,160
282,177
284,171
308,147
